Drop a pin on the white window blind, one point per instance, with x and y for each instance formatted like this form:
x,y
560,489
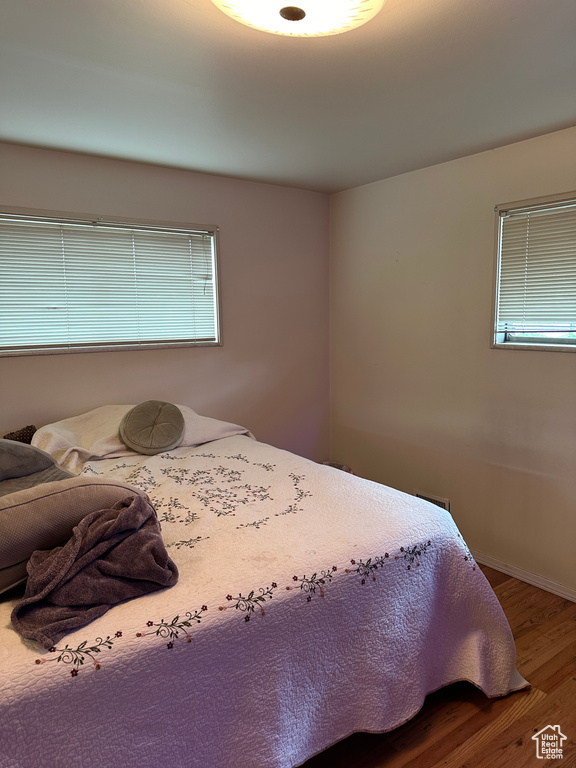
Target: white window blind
x,y
536,286
70,285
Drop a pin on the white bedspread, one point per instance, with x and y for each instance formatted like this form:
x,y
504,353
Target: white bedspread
x,y
311,604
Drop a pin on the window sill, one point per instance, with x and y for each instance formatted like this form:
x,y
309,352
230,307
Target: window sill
x,y
537,347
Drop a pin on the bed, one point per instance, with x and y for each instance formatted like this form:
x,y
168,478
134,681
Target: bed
x,y
311,604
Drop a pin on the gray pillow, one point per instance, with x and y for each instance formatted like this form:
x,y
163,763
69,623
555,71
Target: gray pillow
x,y
152,427
19,459
43,518
55,472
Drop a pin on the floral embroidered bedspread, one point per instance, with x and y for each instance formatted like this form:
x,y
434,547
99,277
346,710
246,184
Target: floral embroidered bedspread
x,y
311,604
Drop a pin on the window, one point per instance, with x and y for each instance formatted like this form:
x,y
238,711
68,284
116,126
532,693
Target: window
x,y
535,304
70,284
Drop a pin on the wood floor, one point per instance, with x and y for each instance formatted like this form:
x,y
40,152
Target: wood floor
x,y
458,727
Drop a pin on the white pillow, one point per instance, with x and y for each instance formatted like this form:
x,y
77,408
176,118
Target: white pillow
x,y
95,435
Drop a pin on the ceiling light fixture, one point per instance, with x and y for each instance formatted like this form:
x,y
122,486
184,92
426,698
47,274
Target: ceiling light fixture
x,y
309,18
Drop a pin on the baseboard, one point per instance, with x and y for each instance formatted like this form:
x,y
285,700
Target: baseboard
x,y
527,576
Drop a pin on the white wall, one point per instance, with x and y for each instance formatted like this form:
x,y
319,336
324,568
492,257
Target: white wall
x,y
419,399
271,374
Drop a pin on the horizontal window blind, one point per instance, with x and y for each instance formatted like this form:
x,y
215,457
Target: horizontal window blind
x,y
537,271
69,285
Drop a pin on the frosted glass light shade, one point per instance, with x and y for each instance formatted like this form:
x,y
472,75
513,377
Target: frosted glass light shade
x,y
308,18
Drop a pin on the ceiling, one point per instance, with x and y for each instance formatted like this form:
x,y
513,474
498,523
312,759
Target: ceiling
x,y
179,83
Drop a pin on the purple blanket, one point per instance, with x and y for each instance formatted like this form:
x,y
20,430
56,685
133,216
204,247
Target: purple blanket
x,y
113,555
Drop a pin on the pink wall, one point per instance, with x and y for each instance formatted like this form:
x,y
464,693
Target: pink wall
x,y
271,374
419,398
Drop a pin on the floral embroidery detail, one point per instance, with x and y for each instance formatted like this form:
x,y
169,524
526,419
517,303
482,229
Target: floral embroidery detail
x,y
171,630
224,501
413,553
367,568
300,494
310,585
256,524
166,514
248,604
168,457
410,555
232,475
296,480
221,489
77,656
190,543
239,457
142,477
468,556
190,517
291,508
179,475
220,500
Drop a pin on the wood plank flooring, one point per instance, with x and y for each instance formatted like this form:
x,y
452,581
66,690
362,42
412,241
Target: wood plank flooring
x,y
458,727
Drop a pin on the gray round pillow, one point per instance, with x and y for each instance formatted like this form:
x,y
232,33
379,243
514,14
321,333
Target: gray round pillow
x,y
152,427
